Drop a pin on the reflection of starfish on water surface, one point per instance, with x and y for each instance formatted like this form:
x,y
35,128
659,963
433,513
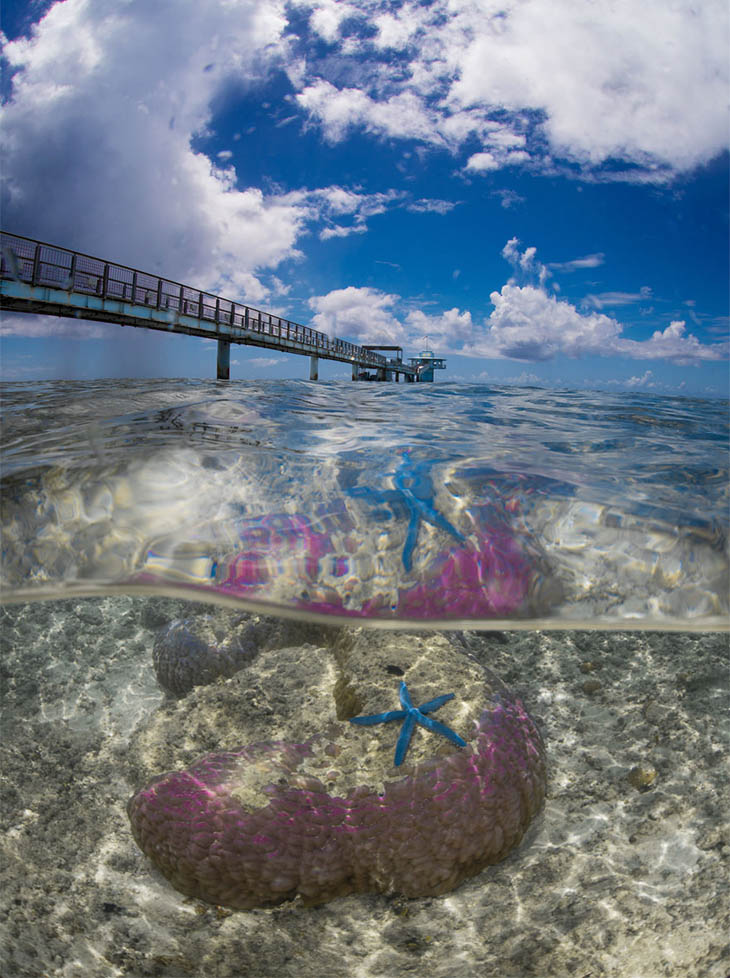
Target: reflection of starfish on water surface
x,y
414,491
411,715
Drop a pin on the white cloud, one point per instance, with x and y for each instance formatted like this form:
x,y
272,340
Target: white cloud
x,y
643,381
524,264
21,324
676,345
618,298
448,330
105,104
397,30
426,206
107,101
508,198
481,163
263,362
327,17
539,80
332,203
403,115
360,315
588,261
342,231
526,324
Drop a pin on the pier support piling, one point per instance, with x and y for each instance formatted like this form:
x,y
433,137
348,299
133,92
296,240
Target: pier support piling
x,y
224,360
314,368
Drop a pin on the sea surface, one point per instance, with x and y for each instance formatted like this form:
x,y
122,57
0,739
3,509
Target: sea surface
x,y
386,503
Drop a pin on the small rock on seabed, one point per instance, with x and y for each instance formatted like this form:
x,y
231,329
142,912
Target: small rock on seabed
x,y
623,875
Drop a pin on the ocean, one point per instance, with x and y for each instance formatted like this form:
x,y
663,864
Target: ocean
x,y
192,567
389,503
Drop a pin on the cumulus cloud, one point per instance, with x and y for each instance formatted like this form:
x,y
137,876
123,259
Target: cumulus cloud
x,y
524,264
328,16
676,345
448,329
537,81
106,104
643,381
360,315
402,115
333,203
106,101
481,163
526,324
529,324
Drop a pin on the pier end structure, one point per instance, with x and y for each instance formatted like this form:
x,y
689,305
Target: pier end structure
x,y
425,364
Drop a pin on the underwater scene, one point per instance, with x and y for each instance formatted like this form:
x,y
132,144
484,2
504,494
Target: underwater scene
x,y
308,679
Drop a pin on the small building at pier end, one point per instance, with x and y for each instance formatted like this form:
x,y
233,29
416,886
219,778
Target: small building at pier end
x,y
419,368
425,364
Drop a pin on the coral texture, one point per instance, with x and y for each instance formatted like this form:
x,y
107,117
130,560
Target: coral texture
x,y
196,651
261,824
187,653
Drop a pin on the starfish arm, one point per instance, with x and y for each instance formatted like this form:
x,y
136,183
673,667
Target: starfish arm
x,y
404,696
435,704
435,727
405,737
410,543
371,719
433,516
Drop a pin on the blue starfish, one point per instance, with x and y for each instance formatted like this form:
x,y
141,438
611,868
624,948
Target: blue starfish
x,y
411,715
413,491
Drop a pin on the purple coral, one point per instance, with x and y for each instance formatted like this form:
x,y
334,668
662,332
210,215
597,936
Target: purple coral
x,y
487,578
251,827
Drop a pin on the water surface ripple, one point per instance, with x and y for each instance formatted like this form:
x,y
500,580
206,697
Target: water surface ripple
x,y
384,503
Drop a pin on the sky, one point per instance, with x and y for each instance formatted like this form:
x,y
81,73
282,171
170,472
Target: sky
x,y
537,190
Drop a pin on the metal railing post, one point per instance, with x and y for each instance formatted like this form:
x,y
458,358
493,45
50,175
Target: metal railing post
x,y
36,264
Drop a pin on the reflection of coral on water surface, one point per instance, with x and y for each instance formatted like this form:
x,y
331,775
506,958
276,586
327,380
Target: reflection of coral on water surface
x,y
487,574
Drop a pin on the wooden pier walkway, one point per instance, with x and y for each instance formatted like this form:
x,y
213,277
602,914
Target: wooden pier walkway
x,y
36,277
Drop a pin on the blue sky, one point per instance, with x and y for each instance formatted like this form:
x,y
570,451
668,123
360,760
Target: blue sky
x,y
540,187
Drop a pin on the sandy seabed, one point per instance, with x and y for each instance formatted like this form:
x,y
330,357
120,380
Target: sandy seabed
x,y
624,875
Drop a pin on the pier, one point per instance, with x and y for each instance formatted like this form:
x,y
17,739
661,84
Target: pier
x,y
44,279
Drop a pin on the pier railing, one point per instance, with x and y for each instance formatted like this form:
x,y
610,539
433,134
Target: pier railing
x,y
43,265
